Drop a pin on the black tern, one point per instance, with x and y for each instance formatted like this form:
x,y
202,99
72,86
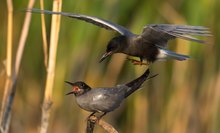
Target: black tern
x,y
104,100
150,45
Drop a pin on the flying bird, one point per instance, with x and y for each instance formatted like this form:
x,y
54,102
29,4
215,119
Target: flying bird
x,y
150,45
104,100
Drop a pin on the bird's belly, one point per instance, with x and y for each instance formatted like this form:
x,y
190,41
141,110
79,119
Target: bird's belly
x,y
144,51
84,104
98,104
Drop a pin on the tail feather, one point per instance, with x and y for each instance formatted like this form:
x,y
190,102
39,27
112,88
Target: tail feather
x,y
136,84
166,53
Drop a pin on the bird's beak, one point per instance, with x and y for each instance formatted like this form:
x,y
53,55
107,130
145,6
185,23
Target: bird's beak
x,y
71,85
69,93
105,55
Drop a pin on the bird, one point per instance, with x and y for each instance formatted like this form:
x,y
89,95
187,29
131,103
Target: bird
x,y
150,45
105,99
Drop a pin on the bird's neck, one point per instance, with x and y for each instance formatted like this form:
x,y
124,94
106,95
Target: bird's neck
x,y
82,92
123,43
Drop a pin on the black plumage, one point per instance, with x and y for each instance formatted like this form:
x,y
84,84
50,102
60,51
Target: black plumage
x,y
149,45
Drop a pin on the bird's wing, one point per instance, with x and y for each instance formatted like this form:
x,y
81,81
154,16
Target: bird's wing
x,y
106,99
160,33
107,93
90,19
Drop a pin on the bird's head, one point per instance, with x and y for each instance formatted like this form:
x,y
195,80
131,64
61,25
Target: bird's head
x,y
115,45
78,88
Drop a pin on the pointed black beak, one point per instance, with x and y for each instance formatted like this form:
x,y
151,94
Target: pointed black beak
x,y
71,85
105,55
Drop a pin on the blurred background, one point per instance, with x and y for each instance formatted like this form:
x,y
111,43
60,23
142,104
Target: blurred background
x,y
184,98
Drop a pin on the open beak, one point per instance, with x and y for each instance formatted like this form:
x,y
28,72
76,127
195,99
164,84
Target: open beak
x,y
69,93
71,85
105,55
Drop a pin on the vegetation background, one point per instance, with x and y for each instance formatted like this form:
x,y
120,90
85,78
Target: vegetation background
x,y
184,98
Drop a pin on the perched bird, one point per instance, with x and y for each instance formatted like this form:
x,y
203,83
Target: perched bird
x,y
149,45
104,100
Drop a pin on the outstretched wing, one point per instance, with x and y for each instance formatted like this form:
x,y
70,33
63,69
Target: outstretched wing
x,y
160,33
90,19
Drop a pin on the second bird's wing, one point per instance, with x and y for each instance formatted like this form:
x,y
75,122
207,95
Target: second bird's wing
x,y
160,33
106,99
90,19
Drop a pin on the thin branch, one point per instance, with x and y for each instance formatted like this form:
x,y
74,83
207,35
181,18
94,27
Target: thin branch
x,y
94,120
47,103
90,126
44,35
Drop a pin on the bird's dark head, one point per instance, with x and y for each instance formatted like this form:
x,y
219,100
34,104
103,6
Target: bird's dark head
x,y
78,88
115,45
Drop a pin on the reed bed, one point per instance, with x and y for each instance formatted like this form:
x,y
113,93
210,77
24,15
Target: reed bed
x,y
184,98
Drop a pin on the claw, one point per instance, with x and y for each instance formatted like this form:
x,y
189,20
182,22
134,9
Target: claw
x,y
89,117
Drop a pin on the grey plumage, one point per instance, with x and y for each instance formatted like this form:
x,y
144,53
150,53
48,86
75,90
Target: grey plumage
x,y
90,19
161,33
105,99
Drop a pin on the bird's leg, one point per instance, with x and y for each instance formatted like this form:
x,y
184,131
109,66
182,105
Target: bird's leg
x,y
90,115
137,62
98,118
94,118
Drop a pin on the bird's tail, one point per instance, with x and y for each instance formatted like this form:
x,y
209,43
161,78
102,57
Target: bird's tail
x,y
164,53
135,84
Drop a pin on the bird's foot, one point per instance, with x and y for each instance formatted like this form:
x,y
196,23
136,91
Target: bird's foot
x,y
93,118
137,62
91,115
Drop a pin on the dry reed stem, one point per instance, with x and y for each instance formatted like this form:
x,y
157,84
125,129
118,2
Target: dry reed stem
x,y
12,77
9,52
9,38
178,81
3,108
23,37
44,35
8,65
47,103
94,120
